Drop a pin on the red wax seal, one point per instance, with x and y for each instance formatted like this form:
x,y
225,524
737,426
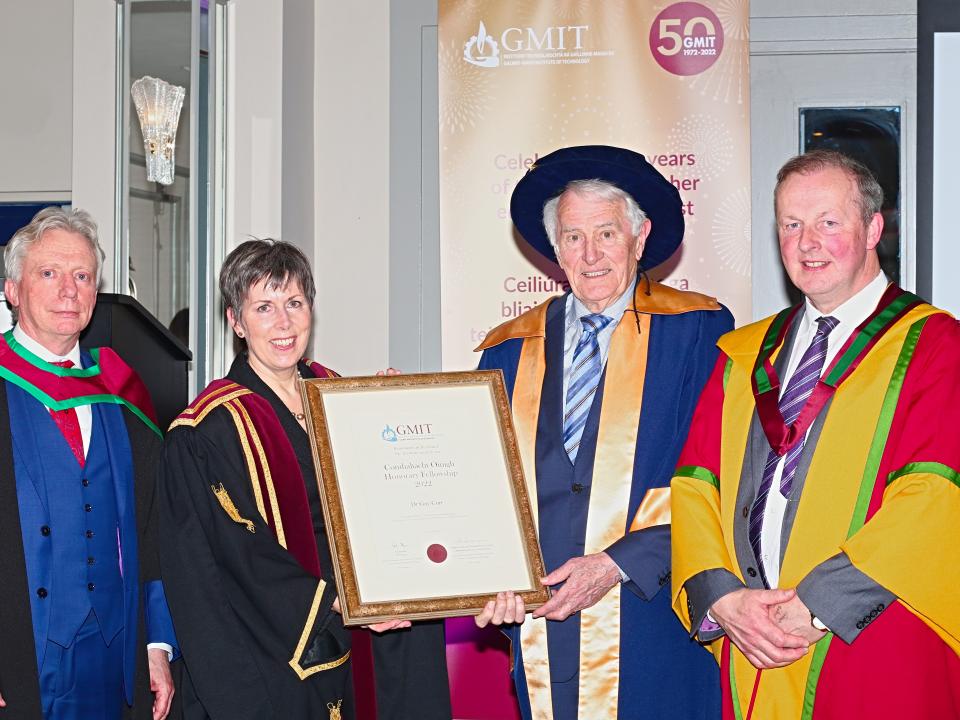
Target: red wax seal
x,y
437,553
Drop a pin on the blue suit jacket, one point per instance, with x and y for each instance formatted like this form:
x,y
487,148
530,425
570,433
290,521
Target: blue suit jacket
x,y
133,450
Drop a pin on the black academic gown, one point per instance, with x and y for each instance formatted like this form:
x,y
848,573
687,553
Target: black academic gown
x,y
241,603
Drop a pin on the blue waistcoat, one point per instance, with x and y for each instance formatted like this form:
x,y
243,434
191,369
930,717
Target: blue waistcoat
x,y
78,525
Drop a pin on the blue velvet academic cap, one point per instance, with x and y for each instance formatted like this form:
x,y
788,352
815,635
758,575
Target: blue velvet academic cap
x,y
626,169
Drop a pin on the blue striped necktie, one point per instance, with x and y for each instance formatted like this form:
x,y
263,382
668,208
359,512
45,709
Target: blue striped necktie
x,y
799,389
585,372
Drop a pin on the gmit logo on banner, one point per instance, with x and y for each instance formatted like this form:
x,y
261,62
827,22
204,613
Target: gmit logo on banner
x,y
483,51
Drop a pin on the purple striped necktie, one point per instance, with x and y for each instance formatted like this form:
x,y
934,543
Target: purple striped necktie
x,y
799,389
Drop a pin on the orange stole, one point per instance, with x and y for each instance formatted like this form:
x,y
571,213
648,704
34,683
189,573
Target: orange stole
x,y
607,513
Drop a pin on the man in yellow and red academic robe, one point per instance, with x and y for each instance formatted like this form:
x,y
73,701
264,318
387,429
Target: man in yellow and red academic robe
x,y
817,497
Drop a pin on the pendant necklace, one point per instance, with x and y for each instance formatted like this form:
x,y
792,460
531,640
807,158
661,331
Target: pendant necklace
x,y
298,416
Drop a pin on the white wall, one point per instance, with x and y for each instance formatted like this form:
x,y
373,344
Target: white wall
x,y
254,119
824,53
93,179
343,219
299,130
333,201
36,92
57,84
351,177
946,186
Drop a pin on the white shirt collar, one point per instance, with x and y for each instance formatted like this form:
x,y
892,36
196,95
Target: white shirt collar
x,y
614,311
41,352
855,310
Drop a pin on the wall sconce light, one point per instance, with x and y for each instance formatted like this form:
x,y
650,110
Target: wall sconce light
x,y
158,106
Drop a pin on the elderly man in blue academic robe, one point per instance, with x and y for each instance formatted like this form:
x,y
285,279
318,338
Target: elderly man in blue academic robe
x,y
603,383
80,596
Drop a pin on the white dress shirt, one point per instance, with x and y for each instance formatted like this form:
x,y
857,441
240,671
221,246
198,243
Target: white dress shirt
x,y
84,414
849,316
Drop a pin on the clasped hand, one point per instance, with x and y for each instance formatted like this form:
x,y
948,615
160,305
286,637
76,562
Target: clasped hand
x,y
772,628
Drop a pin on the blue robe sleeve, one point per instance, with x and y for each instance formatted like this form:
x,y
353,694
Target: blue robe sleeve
x,y
504,357
644,555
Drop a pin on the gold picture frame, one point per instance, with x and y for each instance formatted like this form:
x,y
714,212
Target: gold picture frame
x,y
425,501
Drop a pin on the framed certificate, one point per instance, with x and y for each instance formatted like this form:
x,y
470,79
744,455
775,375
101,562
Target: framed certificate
x,y
424,498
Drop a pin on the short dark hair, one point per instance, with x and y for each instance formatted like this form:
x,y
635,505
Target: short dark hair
x,y
256,260
871,194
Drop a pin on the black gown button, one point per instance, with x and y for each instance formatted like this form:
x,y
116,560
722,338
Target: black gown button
x,y
577,488
41,593
751,572
45,530
88,507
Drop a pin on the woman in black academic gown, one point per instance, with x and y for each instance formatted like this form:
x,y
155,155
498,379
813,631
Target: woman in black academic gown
x,y
245,559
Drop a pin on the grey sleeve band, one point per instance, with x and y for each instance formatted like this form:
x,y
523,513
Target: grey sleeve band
x,y
703,590
842,597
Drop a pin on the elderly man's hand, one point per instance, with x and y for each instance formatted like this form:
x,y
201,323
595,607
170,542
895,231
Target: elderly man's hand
x,y
745,616
389,371
161,682
507,608
794,617
585,580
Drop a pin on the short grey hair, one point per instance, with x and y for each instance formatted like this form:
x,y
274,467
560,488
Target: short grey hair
x,y
75,221
600,189
276,261
871,194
